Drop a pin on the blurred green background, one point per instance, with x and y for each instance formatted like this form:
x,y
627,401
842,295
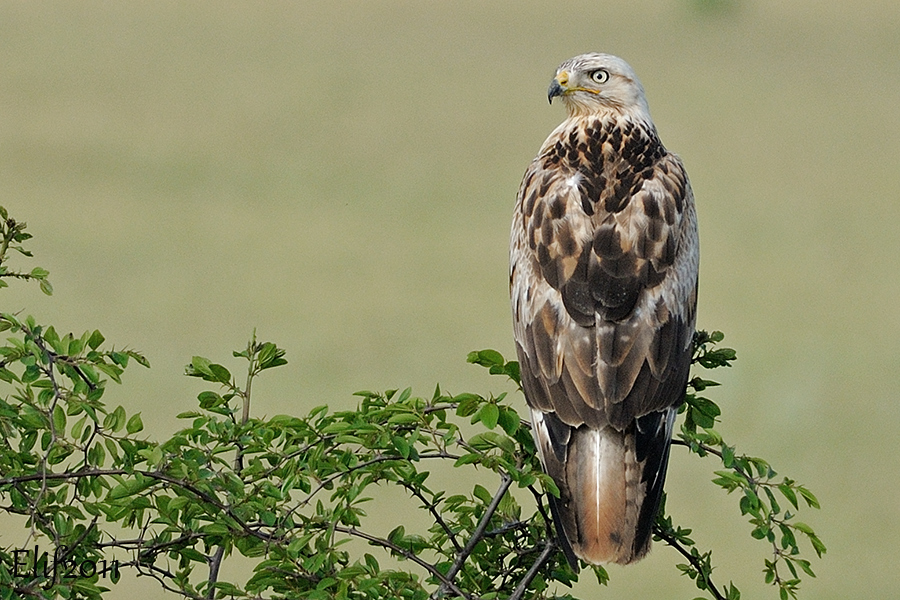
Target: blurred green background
x,y
341,175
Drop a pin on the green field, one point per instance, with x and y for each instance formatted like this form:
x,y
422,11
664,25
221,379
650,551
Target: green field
x,y
341,175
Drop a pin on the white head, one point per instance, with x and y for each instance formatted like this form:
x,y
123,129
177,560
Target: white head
x,y
597,83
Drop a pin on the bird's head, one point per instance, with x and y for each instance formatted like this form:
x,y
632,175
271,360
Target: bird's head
x,y
597,83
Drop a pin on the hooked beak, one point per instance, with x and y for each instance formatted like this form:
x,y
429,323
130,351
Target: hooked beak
x,y
557,86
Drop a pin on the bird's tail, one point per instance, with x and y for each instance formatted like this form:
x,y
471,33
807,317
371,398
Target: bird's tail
x,y
610,485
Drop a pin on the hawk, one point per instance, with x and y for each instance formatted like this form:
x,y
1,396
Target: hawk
x,y
604,258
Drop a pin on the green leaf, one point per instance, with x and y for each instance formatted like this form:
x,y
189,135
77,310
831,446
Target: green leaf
x,y
209,399
482,494
177,503
396,535
7,375
96,339
489,439
135,424
59,420
404,418
788,493
119,414
401,445
140,358
193,555
78,427
818,546
548,484
120,358
706,407
115,420
467,459
803,527
729,479
804,564
728,456
720,357
489,415
808,496
485,358
220,373
201,368
130,487
270,356
467,404
112,370
509,420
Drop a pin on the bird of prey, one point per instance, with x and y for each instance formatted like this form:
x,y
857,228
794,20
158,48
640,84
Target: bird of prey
x,y
603,279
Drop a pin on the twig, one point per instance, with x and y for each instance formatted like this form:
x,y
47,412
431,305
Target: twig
x,y
215,562
445,581
379,458
695,562
519,592
71,548
434,513
704,447
152,572
710,450
477,535
538,499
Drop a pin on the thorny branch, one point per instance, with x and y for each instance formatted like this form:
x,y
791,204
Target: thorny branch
x,y
505,481
549,547
446,581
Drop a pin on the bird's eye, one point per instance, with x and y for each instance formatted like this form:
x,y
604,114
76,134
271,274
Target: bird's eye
x,y
600,76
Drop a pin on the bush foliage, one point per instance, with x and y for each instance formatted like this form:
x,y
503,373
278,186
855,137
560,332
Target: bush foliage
x,y
96,495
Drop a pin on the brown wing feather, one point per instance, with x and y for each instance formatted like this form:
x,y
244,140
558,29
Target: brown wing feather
x,y
602,232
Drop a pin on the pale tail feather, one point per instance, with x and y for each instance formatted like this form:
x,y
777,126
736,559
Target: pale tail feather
x,y
604,480
609,494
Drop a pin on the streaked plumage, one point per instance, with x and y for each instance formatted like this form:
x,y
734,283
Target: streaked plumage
x,y
603,279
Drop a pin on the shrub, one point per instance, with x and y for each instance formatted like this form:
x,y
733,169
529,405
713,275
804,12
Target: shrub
x,y
289,492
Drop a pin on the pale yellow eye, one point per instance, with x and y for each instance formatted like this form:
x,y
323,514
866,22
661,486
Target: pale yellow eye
x,y
600,76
